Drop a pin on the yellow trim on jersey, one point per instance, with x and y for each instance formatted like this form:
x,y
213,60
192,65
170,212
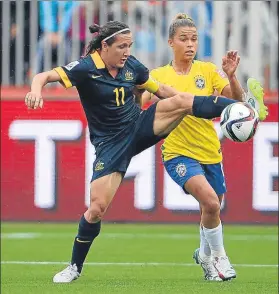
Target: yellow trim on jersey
x,y
98,60
150,85
66,82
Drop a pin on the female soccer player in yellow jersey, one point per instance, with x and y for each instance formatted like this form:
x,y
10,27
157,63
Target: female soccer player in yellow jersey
x,y
191,152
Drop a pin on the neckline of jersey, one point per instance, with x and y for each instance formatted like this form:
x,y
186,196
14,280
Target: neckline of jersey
x,y
100,65
182,75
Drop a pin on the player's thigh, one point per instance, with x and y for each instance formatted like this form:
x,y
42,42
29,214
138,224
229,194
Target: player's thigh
x,y
170,112
111,163
188,173
103,189
202,191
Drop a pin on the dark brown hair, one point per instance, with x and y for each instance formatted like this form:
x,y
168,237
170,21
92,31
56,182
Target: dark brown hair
x,y
103,32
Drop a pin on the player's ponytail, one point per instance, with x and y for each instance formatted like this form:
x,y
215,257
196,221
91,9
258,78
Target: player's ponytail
x,y
94,28
180,20
106,33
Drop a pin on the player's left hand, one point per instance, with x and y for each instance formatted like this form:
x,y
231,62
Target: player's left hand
x,y
230,63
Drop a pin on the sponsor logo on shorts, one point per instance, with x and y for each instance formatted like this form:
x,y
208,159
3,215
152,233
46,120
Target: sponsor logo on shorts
x,y
181,169
99,165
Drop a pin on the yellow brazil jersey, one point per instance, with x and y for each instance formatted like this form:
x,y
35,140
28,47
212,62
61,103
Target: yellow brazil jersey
x,y
193,137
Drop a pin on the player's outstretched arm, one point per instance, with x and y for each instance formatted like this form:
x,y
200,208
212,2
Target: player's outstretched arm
x,y
162,91
33,99
230,63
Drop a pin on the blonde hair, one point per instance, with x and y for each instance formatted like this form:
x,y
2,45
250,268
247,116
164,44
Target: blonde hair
x,y
180,20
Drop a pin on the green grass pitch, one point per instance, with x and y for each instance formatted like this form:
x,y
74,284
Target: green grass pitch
x,y
134,258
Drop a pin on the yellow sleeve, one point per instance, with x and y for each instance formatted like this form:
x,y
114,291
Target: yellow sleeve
x,y
219,79
155,74
151,85
65,80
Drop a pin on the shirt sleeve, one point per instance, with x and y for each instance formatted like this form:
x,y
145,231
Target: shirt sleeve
x,y
142,73
219,79
155,74
74,73
145,80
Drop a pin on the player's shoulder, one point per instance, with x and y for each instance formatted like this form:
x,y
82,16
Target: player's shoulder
x,y
133,62
83,63
161,70
209,68
204,65
93,61
134,68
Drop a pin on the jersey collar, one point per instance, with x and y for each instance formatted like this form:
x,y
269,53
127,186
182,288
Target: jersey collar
x,y
98,61
172,61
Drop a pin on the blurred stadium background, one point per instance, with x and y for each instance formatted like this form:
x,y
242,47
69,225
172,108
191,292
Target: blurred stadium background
x,y
46,157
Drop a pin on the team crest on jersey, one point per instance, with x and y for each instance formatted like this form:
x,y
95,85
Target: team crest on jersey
x,y
181,169
200,82
99,166
129,76
71,65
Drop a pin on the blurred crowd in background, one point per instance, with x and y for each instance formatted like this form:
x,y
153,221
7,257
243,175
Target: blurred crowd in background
x,y
64,25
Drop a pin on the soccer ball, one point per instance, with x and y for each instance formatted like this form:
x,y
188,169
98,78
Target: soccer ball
x,y
239,122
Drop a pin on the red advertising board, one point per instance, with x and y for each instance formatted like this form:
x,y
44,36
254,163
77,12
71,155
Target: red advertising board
x,y
46,164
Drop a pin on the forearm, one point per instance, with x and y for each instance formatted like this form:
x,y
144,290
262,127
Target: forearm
x,y
41,79
38,82
236,89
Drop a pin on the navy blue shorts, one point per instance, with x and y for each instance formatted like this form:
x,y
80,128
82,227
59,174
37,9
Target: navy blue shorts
x,y
115,156
182,168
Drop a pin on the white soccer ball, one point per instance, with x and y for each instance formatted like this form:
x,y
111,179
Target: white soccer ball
x,y
239,122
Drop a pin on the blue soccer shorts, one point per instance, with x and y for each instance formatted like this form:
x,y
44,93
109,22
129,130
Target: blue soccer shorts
x,y
182,168
116,155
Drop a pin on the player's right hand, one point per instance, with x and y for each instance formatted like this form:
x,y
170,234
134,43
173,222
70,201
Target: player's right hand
x,y
33,100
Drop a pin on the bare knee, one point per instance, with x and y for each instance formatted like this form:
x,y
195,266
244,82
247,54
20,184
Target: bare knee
x,y
211,206
96,210
184,102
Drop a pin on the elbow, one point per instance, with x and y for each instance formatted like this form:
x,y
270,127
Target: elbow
x,y
227,93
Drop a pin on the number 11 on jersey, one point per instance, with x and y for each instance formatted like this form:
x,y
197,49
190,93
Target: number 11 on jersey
x,y
116,91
